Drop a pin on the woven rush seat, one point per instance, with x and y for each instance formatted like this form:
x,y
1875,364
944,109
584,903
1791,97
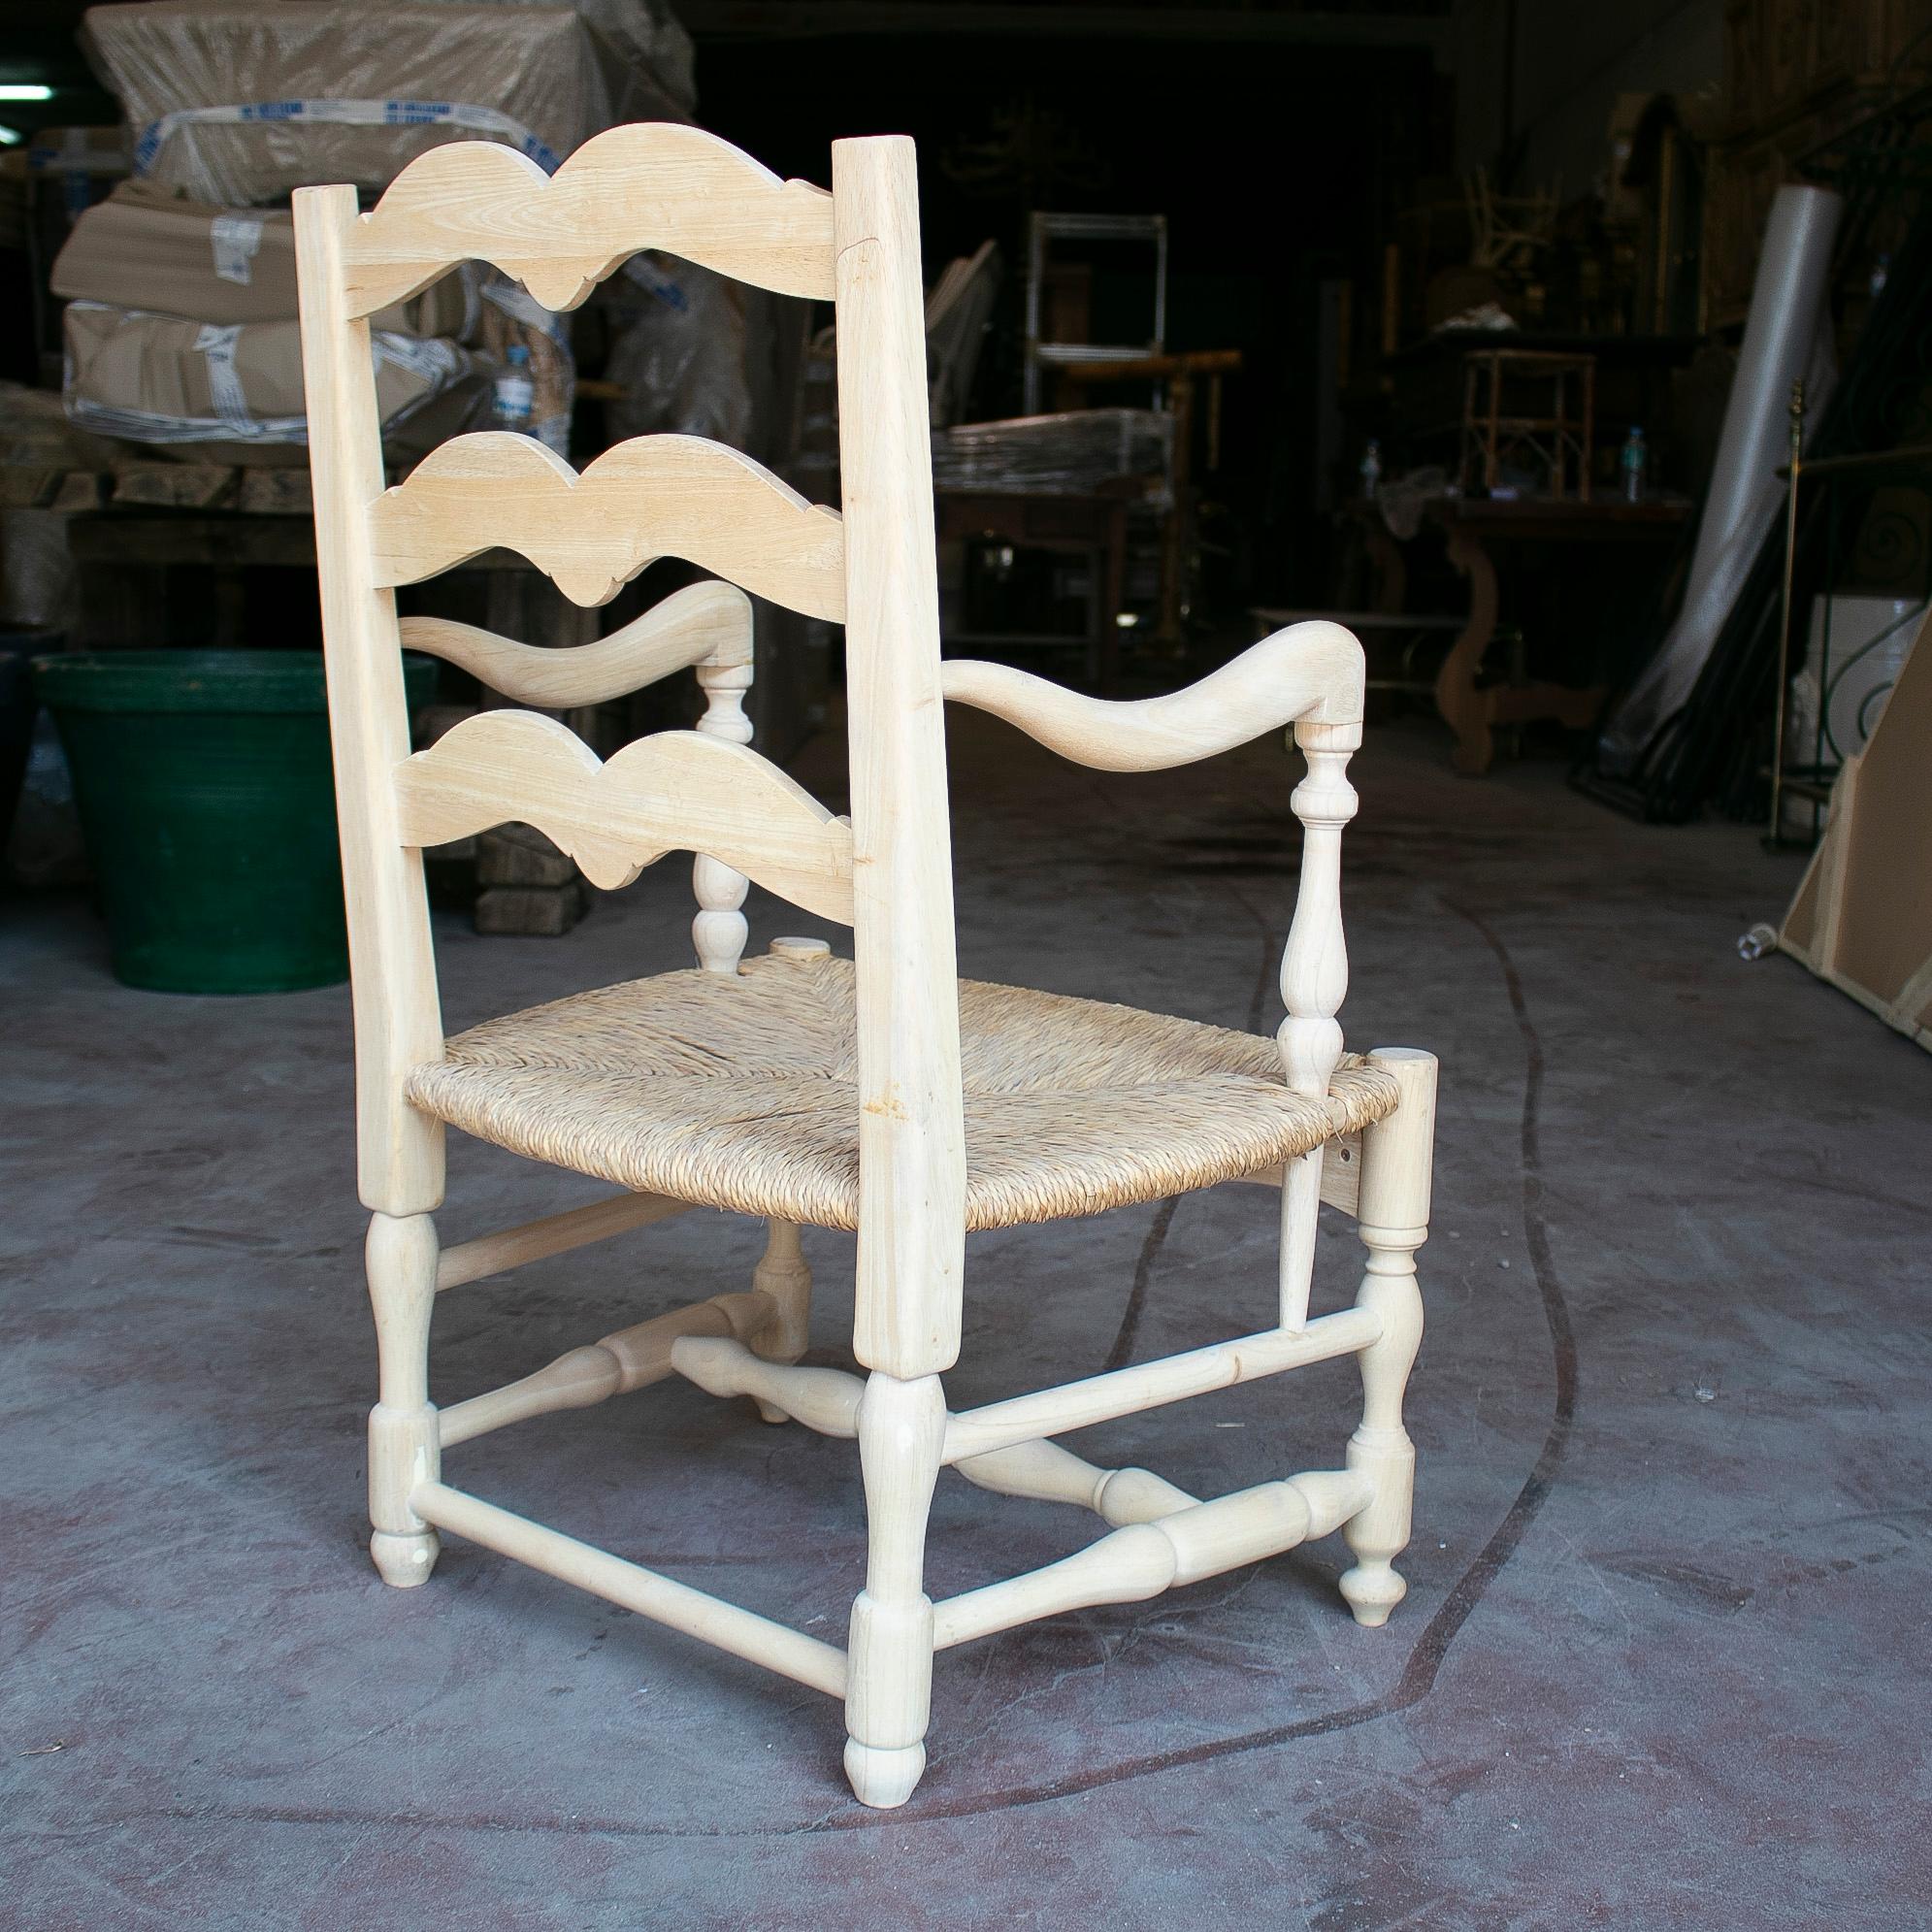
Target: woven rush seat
x,y
738,1092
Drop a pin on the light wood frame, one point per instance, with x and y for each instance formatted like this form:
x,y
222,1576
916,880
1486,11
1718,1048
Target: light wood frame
x,y
888,871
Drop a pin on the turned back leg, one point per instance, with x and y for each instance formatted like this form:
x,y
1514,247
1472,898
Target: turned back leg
x,y
403,1448
902,1431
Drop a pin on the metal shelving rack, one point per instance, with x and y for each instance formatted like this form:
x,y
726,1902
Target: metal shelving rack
x,y
1042,231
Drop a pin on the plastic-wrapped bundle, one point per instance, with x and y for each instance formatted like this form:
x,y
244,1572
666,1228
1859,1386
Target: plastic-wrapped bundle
x,y
234,394
237,101
153,259
1071,454
145,248
645,32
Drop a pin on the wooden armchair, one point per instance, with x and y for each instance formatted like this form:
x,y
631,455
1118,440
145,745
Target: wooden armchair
x,y
878,1095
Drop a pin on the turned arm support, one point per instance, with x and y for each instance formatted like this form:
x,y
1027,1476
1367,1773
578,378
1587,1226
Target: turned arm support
x,y
1311,676
1307,675
706,624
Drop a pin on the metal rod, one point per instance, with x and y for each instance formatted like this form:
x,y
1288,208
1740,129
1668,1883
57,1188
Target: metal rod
x,y
1871,459
1793,474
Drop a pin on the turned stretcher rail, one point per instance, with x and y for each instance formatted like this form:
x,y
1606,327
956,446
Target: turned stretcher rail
x,y
741,1632
1145,1558
631,1359
1100,1398
554,1235
828,1399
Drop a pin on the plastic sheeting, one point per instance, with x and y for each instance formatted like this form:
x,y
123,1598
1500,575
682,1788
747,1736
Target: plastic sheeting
x,y
240,102
678,353
1787,336
1071,454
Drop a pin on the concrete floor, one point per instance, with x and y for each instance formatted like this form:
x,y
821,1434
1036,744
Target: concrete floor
x,y
1661,1661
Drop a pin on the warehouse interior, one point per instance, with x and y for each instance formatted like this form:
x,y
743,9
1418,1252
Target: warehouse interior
x,y
1572,363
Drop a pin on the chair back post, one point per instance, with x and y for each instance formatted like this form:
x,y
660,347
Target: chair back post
x,y
911,1124
392,966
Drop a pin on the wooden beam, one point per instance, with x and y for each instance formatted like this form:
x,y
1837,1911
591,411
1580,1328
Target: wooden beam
x,y
1342,1174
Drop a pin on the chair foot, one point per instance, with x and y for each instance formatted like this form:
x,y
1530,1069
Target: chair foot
x,y
1373,1589
769,1412
884,1778
404,1561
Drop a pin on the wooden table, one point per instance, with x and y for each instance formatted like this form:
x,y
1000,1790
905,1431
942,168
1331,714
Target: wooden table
x,y
1090,526
1475,529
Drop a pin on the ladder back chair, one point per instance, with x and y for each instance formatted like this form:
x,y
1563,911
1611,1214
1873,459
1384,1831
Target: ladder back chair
x,y
878,1095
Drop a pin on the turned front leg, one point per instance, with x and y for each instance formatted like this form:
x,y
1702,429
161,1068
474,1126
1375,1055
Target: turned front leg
x,y
1393,1209
403,1449
902,1431
785,1276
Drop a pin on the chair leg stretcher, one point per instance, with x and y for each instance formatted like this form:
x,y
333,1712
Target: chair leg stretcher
x,y
1141,1561
554,1235
742,1633
631,1359
1185,1543
827,1401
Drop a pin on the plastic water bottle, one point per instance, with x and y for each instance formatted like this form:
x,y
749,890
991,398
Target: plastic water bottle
x,y
1633,459
1371,469
515,394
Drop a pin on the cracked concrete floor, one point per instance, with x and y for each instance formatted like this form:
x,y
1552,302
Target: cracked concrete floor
x,y
1658,1664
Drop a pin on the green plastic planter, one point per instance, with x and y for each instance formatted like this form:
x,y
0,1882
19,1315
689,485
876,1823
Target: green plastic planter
x,y
206,795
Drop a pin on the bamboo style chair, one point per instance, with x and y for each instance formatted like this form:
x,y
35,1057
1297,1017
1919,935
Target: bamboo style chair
x,y
865,1095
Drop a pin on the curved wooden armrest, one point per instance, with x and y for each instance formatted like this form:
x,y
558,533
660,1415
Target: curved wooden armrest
x,y
703,624
1307,675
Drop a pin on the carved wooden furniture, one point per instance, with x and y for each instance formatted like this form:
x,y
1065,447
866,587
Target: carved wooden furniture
x,y
1478,530
1500,423
878,1094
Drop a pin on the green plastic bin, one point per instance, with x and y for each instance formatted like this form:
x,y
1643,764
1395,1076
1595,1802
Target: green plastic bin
x,y
206,794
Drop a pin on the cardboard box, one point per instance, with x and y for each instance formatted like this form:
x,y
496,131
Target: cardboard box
x,y
233,394
147,247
